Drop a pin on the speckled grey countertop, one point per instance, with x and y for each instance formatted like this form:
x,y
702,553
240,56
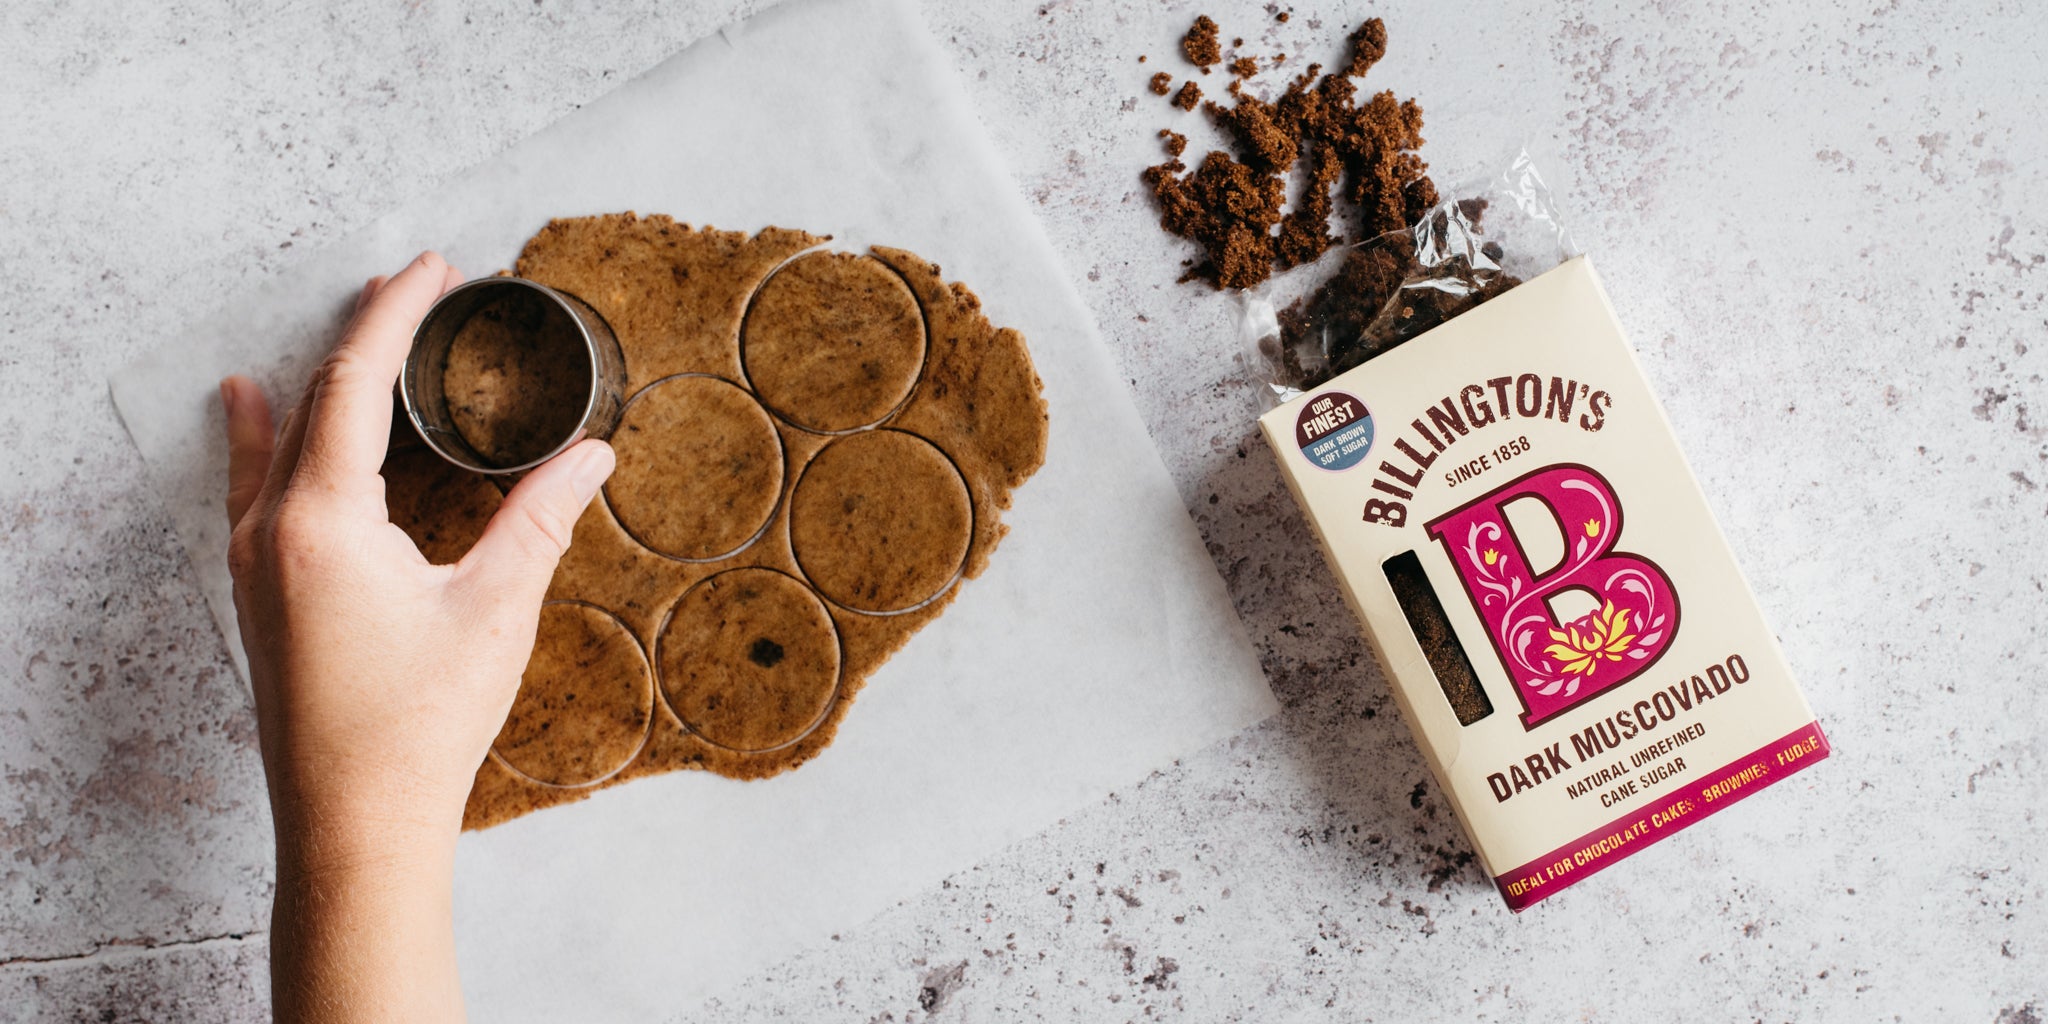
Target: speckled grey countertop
x,y
1820,224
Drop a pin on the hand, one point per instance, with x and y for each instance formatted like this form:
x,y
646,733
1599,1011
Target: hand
x,y
380,679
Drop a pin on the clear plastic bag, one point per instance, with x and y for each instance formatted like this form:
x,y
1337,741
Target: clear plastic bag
x,y
1358,301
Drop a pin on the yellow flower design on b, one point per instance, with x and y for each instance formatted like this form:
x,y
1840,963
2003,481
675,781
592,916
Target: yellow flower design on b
x,y
1606,637
1592,527
1492,556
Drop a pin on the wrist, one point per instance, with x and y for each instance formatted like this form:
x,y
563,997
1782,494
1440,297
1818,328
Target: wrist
x,y
358,833
357,849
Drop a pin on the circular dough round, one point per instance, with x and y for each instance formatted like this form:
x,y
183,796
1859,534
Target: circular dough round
x,y
584,701
834,342
699,468
749,660
881,521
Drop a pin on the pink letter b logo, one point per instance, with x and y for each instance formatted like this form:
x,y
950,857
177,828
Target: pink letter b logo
x,y
1558,665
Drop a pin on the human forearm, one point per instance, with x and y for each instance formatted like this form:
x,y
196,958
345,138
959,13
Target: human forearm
x,y
361,929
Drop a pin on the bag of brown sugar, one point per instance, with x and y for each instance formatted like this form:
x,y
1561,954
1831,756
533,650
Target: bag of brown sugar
x,y
1462,420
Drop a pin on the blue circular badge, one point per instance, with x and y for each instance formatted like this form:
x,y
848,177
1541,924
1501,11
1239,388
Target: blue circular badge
x,y
1334,431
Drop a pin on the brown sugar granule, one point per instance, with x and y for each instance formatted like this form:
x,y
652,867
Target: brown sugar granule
x,y
1305,230
1200,43
1265,137
1176,143
1189,95
1368,45
1221,206
1282,16
1388,185
1366,149
1244,67
1141,58
1239,41
1162,83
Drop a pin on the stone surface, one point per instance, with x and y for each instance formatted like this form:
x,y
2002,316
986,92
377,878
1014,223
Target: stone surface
x,y
1813,220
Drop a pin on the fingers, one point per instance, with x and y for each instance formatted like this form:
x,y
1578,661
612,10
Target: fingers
x,y
250,441
517,554
284,456
369,288
349,422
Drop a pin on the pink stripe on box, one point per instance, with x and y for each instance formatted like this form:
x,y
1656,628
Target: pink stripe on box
x,y
1551,873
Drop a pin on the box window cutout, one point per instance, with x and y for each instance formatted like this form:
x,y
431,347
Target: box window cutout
x,y
1439,641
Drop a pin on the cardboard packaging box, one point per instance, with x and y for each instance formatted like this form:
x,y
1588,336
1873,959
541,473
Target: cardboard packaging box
x,y
1508,512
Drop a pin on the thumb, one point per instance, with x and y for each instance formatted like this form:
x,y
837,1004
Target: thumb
x,y
516,556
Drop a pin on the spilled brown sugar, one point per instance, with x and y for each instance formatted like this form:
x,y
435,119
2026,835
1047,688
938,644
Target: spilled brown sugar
x,y
1162,83
1189,95
1233,204
1200,44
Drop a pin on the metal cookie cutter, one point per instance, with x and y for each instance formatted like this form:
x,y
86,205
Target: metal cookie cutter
x,y
426,402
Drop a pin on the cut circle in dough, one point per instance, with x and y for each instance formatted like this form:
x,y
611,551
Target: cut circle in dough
x,y
584,703
833,342
881,521
754,621
517,378
699,468
749,660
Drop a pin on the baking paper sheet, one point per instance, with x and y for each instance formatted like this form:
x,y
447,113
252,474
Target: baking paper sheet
x,y
1099,644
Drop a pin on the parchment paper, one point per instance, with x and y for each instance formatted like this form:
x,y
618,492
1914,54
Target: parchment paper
x,y
1098,646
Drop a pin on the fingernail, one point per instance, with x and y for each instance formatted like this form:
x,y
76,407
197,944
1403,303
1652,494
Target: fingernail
x,y
227,396
593,467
